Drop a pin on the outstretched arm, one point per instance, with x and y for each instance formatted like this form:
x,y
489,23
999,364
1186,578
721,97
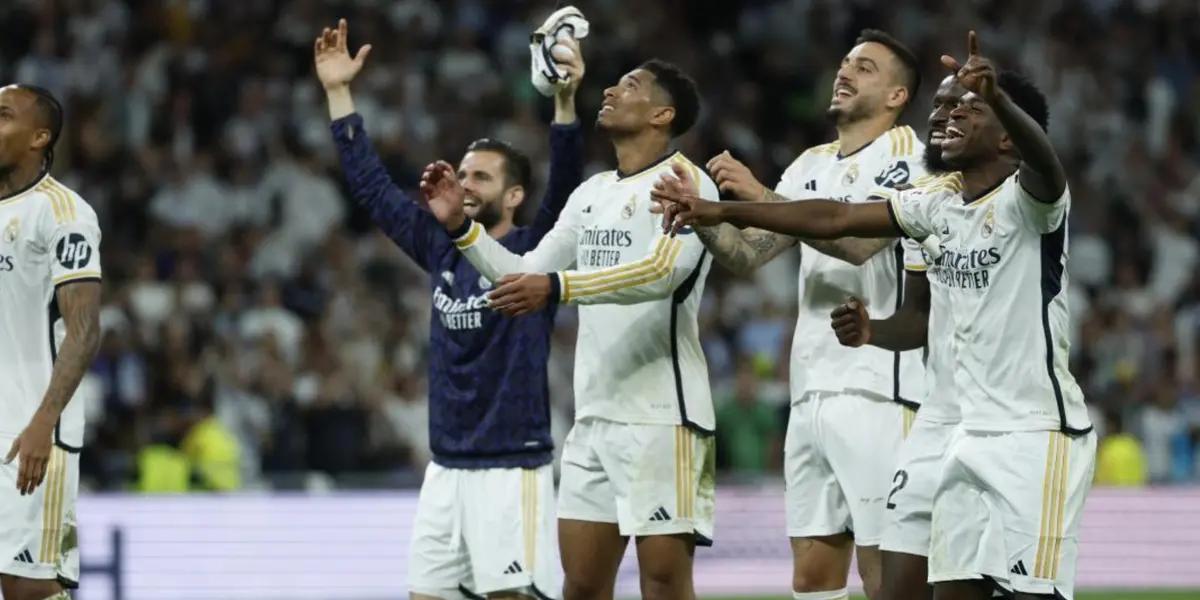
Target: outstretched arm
x,y
1041,172
753,247
678,199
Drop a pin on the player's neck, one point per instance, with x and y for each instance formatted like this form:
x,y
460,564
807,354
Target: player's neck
x,y
640,150
19,177
981,179
500,229
853,136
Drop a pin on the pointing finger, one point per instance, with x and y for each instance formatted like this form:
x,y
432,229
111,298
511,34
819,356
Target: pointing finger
x,y
951,63
972,43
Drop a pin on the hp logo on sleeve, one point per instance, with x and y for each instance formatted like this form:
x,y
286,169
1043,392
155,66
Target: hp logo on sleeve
x,y
74,252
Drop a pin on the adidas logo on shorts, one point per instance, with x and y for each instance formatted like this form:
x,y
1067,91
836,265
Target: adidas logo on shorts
x,y
513,569
24,557
1019,568
660,515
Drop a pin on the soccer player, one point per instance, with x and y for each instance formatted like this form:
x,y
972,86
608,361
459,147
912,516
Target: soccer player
x,y
904,548
639,460
1007,510
50,298
850,409
485,518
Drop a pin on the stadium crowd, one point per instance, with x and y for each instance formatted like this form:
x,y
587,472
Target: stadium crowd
x,y
259,330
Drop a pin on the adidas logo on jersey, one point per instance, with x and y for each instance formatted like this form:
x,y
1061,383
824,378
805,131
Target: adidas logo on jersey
x,y
811,185
660,515
24,557
514,568
1019,568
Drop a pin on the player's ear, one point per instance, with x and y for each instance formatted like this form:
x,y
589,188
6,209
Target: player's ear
x,y
663,116
898,97
41,139
514,196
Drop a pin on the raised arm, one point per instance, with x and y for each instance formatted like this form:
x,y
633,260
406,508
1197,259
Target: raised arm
x,y
442,195
370,185
1041,172
566,146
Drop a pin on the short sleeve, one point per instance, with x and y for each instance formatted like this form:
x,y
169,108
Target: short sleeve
x,y
72,237
911,211
914,258
1042,217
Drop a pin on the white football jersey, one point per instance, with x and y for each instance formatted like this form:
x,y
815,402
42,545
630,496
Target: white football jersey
x,y
939,404
638,357
819,362
48,236
1000,273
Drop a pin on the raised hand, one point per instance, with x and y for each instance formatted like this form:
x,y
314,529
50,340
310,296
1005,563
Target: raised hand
x,y
977,74
678,199
734,178
851,323
335,67
443,195
574,67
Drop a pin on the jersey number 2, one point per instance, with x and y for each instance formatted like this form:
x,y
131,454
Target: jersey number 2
x,y
901,480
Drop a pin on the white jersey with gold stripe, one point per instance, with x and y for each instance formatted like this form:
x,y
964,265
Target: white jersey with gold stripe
x,y
1000,273
819,362
638,357
48,237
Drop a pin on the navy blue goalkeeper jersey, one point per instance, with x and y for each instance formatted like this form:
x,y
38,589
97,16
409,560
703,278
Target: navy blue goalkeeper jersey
x,y
489,404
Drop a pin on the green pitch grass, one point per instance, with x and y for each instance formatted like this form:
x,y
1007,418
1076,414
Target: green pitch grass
x,y
1131,595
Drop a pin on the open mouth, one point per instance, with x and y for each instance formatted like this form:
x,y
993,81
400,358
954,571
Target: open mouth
x,y
954,133
471,202
937,135
843,91
605,108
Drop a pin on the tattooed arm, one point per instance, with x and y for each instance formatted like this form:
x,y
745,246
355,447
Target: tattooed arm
x,y
743,250
79,303
855,251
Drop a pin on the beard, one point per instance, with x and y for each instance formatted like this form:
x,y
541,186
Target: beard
x,y
489,213
932,158
855,112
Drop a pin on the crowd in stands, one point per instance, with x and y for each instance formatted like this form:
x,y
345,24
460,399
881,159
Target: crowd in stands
x,y
259,331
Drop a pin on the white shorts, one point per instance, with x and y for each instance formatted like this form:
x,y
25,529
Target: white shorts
x,y
648,479
1008,510
37,532
483,531
909,503
839,456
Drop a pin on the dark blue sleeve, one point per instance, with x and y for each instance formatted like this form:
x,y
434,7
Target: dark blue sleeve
x,y
566,173
402,219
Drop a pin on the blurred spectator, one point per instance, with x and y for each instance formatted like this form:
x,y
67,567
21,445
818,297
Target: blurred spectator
x,y
1120,461
198,134
748,432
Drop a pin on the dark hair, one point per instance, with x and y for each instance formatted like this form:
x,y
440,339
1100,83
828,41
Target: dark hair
x,y
1025,95
682,92
908,60
50,112
516,165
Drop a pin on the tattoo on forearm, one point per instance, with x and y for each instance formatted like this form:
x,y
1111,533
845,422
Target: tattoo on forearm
x,y
80,305
743,250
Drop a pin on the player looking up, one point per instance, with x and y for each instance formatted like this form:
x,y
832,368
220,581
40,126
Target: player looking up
x,y
850,409
485,517
639,460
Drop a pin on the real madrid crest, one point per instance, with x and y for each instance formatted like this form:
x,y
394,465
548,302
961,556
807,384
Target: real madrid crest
x,y
627,210
851,175
989,223
484,284
12,230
